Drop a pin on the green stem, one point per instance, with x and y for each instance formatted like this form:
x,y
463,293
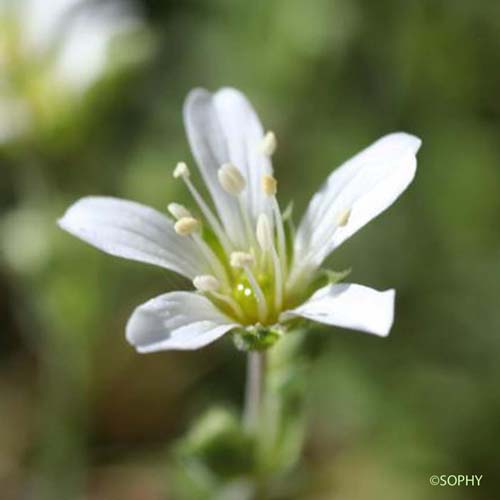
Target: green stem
x,y
254,390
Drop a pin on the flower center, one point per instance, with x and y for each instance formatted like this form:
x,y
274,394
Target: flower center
x,y
248,284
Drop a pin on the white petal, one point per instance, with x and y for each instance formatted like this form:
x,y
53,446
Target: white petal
x,y
133,231
42,21
176,320
365,185
350,306
224,128
87,38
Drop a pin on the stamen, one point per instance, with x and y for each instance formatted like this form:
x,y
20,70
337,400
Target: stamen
x,y
215,263
341,220
268,144
246,222
181,170
343,217
206,283
243,260
280,229
231,303
178,211
265,239
230,179
269,185
186,226
264,233
270,188
234,183
189,226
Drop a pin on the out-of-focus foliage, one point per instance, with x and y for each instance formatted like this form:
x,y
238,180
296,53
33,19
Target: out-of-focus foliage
x,y
81,414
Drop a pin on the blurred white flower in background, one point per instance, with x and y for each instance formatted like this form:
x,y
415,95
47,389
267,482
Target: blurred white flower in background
x,y
26,239
51,52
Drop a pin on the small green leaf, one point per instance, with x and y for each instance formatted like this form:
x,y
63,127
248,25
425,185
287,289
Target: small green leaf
x,y
218,443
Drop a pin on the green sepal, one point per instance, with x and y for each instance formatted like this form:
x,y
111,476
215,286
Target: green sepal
x,y
328,277
333,277
288,212
256,337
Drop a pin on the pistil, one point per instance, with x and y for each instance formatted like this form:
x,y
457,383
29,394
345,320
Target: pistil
x,y
243,260
266,241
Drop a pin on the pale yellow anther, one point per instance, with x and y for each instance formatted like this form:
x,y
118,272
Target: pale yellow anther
x,y
178,211
268,144
264,232
186,226
343,217
181,170
241,259
230,179
269,185
206,283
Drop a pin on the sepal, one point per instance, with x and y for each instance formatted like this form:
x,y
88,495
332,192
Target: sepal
x,y
257,337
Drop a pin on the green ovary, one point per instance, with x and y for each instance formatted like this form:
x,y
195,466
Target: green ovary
x,y
243,293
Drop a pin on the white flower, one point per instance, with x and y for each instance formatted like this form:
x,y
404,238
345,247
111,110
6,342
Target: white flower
x,y
62,48
80,30
250,271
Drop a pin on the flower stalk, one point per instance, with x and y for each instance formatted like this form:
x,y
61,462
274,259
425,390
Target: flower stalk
x,y
254,389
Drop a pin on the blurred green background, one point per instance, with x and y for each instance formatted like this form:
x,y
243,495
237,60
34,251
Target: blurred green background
x,y
91,104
